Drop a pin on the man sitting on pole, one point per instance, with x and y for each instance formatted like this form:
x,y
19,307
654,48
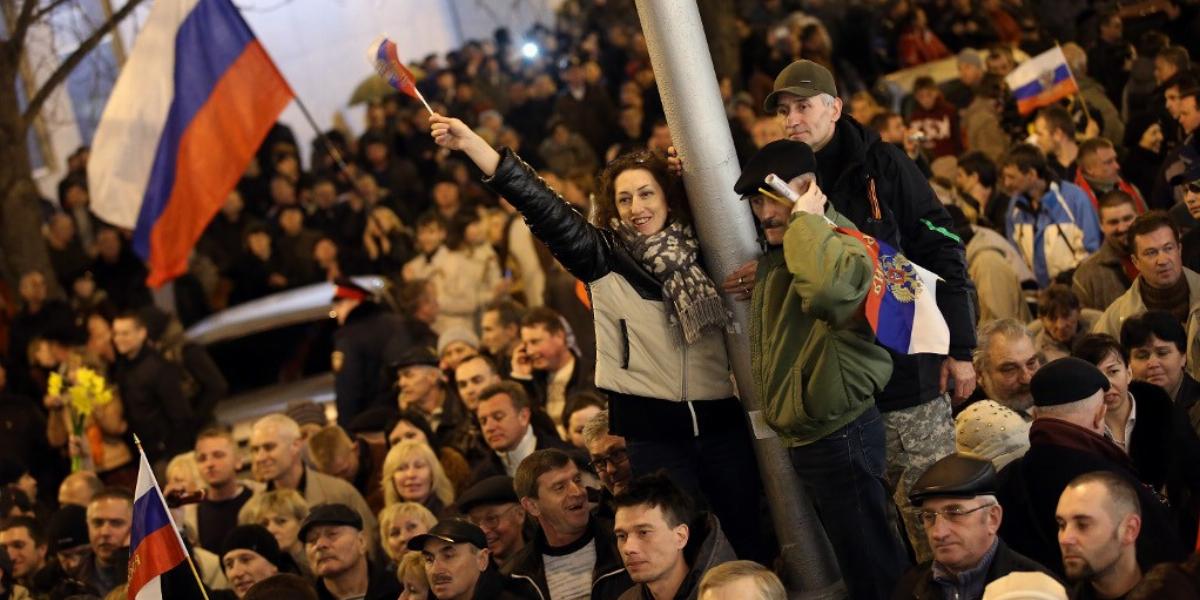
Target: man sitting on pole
x,y
818,367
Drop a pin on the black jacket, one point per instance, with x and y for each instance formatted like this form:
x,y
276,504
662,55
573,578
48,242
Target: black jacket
x,y
609,578
381,585
151,389
1150,445
883,193
494,586
361,378
590,253
918,583
1029,489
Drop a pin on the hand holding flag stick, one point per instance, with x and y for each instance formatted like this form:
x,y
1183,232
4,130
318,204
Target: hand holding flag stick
x,y
383,56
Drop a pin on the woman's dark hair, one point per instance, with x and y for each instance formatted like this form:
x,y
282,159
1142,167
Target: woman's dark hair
x,y
606,200
1095,347
415,419
456,231
579,401
1136,331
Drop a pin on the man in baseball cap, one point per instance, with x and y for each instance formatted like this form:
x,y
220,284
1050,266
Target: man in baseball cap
x,y
458,564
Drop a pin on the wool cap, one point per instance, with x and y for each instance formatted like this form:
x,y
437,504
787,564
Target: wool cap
x,y
1066,380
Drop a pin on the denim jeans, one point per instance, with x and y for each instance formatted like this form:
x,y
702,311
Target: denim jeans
x,y
844,474
719,467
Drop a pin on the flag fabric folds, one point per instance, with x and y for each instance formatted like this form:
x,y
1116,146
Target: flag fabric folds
x,y
901,304
1041,81
382,54
194,101
155,547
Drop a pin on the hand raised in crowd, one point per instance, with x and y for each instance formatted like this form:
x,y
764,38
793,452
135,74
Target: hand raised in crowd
x,y
740,282
522,367
453,134
811,200
674,163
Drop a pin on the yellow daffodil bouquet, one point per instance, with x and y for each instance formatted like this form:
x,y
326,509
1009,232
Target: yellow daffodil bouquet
x,y
83,390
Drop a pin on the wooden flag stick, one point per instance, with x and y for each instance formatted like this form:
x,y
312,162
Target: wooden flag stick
x,y
186,555
1078,93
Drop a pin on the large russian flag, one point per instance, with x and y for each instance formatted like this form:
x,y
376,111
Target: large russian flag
x,y
901,304
190,108
1041,81
155,547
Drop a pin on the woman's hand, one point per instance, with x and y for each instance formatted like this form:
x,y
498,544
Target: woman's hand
x,y
453,134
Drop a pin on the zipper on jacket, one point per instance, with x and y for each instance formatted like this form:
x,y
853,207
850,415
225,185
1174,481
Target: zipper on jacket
x,y
624,344
596,581
534,584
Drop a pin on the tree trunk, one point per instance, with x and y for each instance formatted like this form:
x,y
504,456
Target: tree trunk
x,y
22,248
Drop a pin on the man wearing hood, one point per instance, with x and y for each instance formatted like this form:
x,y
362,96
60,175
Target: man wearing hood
x,y
665,546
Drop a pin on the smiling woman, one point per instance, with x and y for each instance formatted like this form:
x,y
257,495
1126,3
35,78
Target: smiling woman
x,y
412,473
659,320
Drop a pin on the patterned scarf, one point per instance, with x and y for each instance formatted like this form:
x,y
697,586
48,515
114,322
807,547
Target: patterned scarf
x,y
672,256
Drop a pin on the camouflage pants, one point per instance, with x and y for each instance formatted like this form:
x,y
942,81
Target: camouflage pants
x,y
917,437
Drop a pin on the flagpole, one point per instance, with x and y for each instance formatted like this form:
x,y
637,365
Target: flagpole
x,y
186,554
1078,92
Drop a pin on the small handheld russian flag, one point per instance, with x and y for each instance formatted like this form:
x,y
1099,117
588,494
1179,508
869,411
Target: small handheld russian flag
x,y
1042,81
901,304
155,548
383,56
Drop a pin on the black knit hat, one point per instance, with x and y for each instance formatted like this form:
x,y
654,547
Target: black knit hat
x,y
256,538
67,528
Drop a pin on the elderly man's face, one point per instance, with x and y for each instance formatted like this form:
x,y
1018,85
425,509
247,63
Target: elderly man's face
x,y
502,524
962,531
1012,363
334,549
611,460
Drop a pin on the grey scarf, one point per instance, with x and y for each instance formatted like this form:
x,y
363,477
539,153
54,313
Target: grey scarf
x,y
672,256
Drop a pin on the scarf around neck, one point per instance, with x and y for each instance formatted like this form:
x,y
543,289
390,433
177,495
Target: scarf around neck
x,y
672,256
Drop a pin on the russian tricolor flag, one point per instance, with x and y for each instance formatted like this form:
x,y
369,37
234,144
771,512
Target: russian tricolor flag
x,y
155,547
190,108
901,304
1041,81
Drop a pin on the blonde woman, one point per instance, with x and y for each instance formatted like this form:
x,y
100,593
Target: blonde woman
x,y
281,512
412,473
413,581
184,479
399,523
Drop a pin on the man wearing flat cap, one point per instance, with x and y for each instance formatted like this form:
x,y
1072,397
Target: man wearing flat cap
x,y
365,331
458,565
1067,440
956,502
493,506
818,366
337,550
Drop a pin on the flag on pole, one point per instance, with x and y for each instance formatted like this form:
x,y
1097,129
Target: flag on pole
x,y
1041,81
194,101
901,304
382,55
155,547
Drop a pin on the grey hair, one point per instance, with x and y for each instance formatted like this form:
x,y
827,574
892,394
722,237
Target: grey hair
x,y
826,99
282,423
1009,328
596,427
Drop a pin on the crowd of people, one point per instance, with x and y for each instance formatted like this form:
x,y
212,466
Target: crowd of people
x,y
539,402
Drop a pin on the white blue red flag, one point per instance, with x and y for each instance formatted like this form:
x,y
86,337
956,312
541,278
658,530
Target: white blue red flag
x,y
1041,81
385,58
190,108
155,547
901,304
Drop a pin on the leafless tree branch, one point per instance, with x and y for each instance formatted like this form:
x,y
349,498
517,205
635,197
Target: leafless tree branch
x,y
64,69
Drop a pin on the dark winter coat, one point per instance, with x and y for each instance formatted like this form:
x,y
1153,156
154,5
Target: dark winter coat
x,y
609,578
918,583
361,377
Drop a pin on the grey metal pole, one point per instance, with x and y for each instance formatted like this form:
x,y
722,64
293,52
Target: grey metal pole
x,y
700,131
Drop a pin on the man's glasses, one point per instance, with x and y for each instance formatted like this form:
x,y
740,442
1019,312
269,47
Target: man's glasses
x,y
952,514
617,457
491,520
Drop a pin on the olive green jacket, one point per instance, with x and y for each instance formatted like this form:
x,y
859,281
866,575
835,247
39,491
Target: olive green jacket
x,y
814,356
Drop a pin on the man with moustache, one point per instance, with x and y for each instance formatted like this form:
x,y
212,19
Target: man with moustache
x,y
1006,361
957,503
458,564
1102,277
